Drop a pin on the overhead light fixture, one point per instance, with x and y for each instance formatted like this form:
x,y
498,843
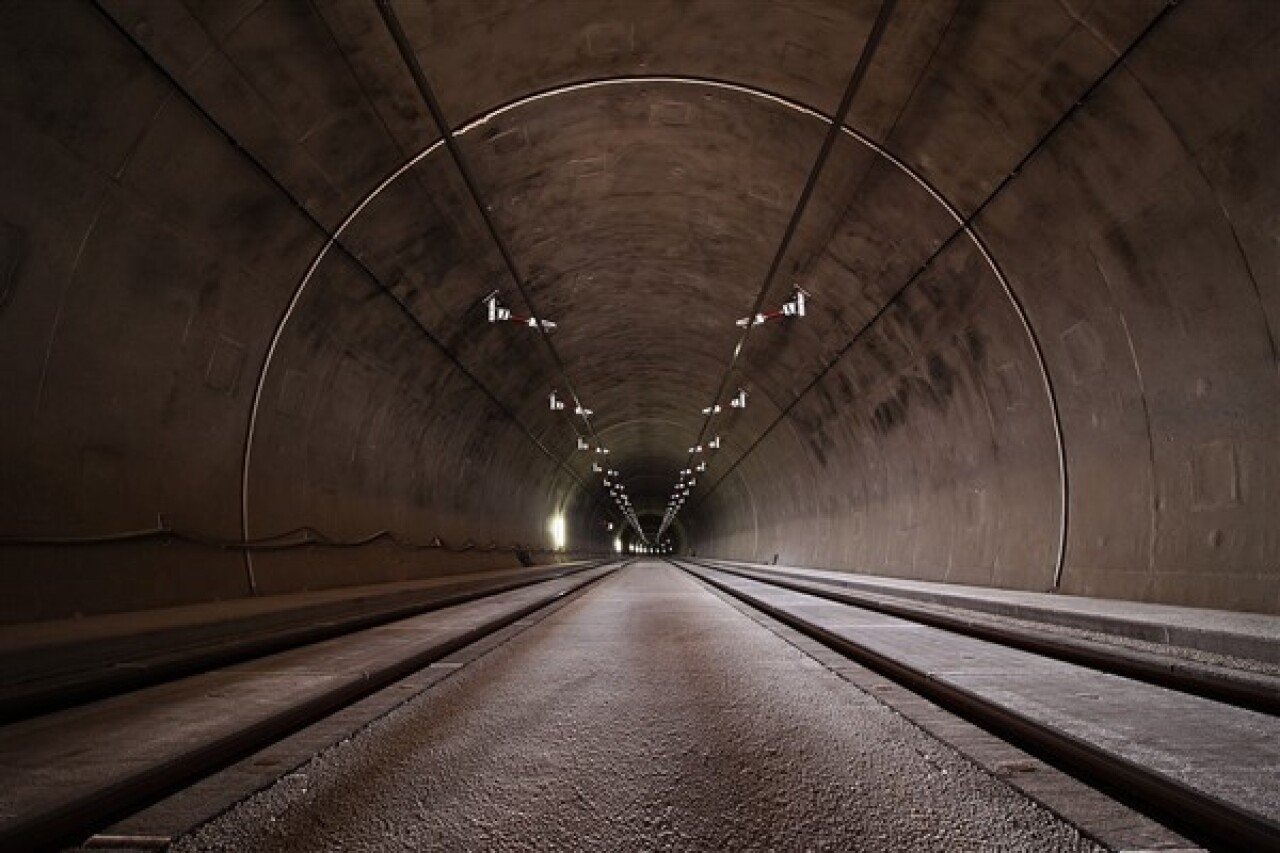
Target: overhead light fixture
x,y
712,410
714,443
499,313
556,403
739,400
793,308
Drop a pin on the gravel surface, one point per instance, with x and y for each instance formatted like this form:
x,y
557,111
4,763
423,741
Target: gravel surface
x,y
646,715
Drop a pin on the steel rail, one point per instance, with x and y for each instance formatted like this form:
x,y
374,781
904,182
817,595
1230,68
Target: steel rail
x,y
331,238
448,136
25,697
967,226
1209,820
851,88
70,821
1217,684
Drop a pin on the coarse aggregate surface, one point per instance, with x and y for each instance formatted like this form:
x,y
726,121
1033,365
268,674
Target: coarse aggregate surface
x,y
646,715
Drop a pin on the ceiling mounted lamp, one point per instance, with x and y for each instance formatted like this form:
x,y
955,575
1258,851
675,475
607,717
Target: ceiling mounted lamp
x,y
712,410
739,400
702,466
714,443
499,313
582,411
582,444
792,308
555,402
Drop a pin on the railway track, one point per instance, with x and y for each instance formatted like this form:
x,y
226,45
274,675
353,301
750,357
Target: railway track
x,y
1200,760
1219,683
225,717
1197,754
29,692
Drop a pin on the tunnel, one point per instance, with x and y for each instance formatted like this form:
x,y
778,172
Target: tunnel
x,y
249,253
625,321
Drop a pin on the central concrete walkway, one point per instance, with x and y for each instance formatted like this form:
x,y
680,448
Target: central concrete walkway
x,y
646,715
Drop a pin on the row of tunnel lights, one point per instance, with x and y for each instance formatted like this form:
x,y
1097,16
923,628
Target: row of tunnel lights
x,y
609,476
499,313
664,548
686,480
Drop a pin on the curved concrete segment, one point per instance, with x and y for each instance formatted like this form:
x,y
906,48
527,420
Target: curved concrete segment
x,y
242,284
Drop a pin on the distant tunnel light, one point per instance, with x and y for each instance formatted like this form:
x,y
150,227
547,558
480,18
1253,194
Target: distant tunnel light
x,y
557,529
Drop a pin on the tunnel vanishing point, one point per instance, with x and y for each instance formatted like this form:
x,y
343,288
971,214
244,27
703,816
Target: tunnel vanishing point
x,y
302,294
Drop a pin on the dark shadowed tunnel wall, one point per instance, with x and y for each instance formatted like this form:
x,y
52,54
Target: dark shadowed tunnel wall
x,y
242,284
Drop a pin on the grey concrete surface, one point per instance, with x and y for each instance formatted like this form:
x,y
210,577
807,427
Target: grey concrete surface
x,y
1227,753
1243,638
73,753
241,284
52,648
196,805
645,715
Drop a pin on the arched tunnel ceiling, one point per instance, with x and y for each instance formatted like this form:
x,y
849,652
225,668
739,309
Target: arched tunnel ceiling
x,y
644,211
1034,213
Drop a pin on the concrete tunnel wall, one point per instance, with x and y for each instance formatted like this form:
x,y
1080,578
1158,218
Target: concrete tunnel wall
x,y
1042,263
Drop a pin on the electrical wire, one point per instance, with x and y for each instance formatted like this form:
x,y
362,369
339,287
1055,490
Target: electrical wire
x,y
304,536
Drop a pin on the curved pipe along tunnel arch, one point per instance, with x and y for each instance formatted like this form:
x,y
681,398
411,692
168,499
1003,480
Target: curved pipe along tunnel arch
x,y
242,284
